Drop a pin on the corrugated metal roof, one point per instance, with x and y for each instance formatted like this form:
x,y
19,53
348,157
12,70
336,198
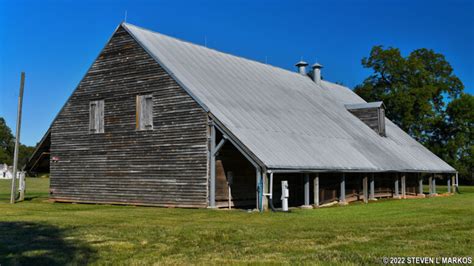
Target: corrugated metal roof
x,y
282,117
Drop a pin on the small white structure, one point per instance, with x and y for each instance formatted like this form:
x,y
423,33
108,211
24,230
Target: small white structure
x,y
285,194
6,172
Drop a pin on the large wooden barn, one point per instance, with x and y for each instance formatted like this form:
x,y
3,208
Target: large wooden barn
x,y
163,122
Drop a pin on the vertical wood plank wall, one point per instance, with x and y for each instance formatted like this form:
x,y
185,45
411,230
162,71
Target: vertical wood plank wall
x,y
166,166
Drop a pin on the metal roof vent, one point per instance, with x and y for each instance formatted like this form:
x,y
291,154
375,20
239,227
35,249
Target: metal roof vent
x,y
317,73
301,65
372,114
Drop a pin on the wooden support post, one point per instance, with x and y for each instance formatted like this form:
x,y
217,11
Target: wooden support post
x,y
265,191
316,190
457,183
258,177
230,181
453,183
372,187
433,187
212,183
365,188
17,138
448,184
396,186
306,192
404,186
342,196
420,185
430,184
22,185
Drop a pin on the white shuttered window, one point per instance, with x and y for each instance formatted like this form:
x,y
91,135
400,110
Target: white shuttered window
x,y
96,117
144,112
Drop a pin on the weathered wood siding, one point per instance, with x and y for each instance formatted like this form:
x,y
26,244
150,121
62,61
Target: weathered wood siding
x,y
166,166
370,116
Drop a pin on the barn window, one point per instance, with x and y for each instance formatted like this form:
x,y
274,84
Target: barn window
x,y
96,117
372,114
144,114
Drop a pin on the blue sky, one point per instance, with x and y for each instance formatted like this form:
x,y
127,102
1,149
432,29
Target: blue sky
x,y
55,42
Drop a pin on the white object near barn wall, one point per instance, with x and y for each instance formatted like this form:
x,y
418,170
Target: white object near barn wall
x,y
285,194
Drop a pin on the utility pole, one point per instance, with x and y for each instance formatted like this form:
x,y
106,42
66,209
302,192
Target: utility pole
x,y
17,138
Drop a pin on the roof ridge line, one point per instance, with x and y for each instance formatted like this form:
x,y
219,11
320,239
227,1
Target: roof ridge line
x,y
215,50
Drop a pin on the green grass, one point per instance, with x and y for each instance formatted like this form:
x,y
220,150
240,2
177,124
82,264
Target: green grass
x,y
39,232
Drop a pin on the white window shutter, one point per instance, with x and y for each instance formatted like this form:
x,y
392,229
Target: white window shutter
x,y
100,116
144,112
92,116
148,112
138,112
96,116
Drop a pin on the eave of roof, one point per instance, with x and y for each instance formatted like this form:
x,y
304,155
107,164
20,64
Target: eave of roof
x,y
364,105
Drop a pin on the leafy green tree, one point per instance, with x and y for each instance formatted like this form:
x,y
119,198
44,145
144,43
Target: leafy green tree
x,y
7,146
424,98
24,154
6,143
460,136
414,88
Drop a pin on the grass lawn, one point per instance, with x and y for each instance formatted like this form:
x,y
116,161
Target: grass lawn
x,y
39,232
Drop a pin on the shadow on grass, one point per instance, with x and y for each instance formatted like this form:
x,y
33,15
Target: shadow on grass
x,y
25,243
31,198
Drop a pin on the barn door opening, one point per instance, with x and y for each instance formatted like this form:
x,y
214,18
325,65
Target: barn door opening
x,y
234,171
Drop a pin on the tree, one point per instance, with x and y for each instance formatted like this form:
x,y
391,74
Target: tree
x,y
423,97
24,154
7,146
460,137
6,143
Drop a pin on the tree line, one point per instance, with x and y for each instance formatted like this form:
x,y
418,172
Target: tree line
x,y
7,147
426,99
